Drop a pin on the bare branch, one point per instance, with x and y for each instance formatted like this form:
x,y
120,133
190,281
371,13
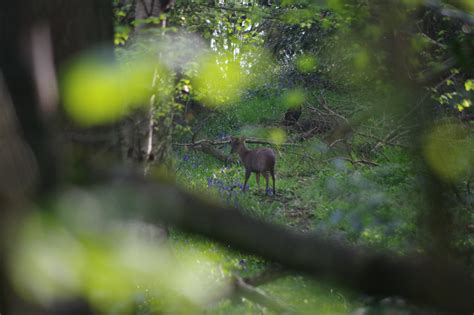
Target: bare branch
x,y
270,274
324,104
227,141
257,295
361,161
209,149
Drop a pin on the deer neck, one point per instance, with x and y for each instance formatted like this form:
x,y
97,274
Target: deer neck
x,y
243,151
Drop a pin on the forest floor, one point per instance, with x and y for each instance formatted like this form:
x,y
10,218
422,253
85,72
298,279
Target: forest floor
x,y
317,190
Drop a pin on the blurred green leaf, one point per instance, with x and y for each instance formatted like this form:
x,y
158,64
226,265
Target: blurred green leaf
x,y
294,98
449,151
219,80
306,63
99,92
469,85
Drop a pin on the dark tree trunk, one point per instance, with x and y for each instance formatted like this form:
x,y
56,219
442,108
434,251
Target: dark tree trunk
x,y
145,9
37,34
142,143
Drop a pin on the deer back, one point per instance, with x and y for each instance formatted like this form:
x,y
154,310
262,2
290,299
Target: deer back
x,y
259,160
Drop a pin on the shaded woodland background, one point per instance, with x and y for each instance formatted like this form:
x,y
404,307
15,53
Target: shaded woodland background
x,y
119,195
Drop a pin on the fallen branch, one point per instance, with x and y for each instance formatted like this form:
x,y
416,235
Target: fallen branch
x,y
207,146
303,156
199,142
361,161
336,142
308,134
209,149
383,141
324,104
227,141
270,274
245,290
366,162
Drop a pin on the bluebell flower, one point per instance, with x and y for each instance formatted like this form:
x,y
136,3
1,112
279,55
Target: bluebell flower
x,y
185,157
336,217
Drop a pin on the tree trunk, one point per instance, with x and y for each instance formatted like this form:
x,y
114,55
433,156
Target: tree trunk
x,y
39,36
141,143
145,9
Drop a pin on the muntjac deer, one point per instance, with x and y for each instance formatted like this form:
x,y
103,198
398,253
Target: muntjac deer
x,y
259,161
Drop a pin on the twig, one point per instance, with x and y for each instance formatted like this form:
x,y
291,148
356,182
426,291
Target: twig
x,y
259,296
199,142
268,275
246,288
361,161
309,133
303,155
434,42
388,142
326,107
335,142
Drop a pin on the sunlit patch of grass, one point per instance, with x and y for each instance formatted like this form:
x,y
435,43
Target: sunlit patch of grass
x,y
308,297
316,191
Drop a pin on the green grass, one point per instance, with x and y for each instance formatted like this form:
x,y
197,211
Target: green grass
x,y
300,295
316,191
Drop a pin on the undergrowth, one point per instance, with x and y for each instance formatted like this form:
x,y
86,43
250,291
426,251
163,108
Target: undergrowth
x,y
318,189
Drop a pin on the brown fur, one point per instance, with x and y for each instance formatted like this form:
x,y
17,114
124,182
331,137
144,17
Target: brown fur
x,y
258,161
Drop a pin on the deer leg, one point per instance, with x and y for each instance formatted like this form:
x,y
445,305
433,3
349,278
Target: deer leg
x,y
265,174
247,175
257,178
272,171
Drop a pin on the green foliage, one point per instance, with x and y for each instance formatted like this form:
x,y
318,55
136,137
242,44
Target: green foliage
x,y
206,175
258,110
339,49
315,191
